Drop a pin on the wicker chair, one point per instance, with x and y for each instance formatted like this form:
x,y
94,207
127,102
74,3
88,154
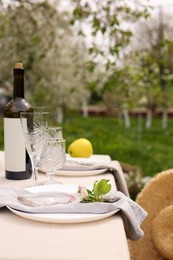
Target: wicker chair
x,y
157,199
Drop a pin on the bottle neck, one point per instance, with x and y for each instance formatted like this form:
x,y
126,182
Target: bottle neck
x,y
18,84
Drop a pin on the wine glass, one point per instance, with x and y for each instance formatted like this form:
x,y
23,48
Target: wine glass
x,y
52,158
34,125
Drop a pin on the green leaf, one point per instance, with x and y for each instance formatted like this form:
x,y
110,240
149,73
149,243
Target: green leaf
x,y
103,187
95,188
103,29
72,21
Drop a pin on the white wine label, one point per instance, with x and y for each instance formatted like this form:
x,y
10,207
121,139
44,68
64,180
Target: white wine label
x,y
14,145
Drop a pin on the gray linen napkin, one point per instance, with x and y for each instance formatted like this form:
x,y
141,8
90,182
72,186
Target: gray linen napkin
x,y
133,215
112,166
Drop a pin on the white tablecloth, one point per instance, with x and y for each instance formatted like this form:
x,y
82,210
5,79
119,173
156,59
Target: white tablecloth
x,y
23,239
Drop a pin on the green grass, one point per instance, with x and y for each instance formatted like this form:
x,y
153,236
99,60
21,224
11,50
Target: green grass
x,y
151,149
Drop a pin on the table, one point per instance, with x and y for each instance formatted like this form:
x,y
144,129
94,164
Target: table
x,y
23,239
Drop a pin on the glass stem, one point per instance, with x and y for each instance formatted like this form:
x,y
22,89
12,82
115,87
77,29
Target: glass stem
x,y
50,176
35,170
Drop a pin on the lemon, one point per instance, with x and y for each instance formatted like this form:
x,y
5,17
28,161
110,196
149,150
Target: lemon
x,y
81,147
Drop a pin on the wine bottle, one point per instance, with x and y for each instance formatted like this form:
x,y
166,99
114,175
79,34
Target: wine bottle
x,y
17,161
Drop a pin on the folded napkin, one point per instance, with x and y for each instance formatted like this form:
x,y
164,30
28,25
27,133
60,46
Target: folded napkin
x,y
133,215
112,166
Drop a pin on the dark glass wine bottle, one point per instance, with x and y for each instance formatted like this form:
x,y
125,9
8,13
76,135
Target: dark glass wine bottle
x,y
17,161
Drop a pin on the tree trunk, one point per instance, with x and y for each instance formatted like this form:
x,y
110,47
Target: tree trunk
x,y
126,118
59,115
149,118
84,108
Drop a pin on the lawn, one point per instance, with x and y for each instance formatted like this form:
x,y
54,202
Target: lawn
x,y
149,149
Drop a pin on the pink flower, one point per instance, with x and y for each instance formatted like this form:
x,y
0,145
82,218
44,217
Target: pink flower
x,y
72,198
83,191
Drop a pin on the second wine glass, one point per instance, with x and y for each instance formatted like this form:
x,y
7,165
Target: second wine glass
x,y
52,158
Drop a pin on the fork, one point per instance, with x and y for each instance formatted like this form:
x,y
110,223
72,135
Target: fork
x,y
31,203
27,202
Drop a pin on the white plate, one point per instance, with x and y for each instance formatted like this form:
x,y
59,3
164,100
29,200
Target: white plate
x,y
61,217
79,173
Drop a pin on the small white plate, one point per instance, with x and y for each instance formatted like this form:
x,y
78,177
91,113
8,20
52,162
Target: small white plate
x,y
59,217
79,173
